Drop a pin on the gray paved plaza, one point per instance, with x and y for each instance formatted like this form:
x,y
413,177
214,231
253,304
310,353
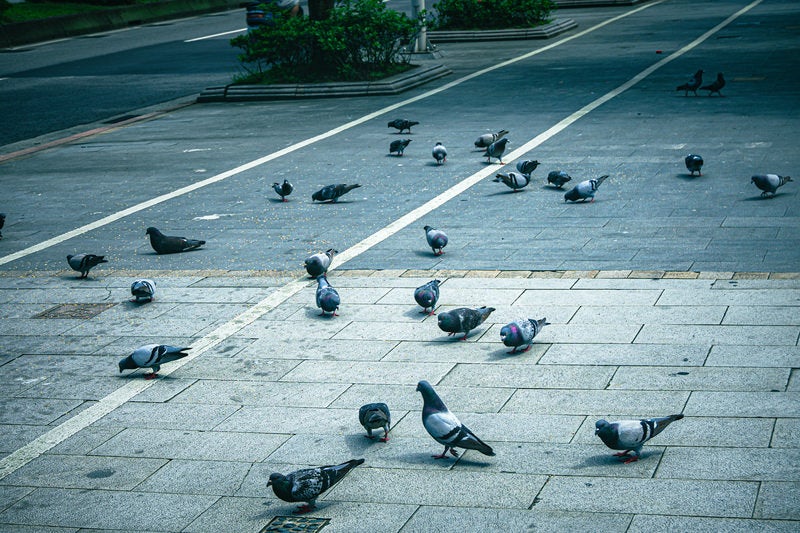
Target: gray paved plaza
x,y
668,294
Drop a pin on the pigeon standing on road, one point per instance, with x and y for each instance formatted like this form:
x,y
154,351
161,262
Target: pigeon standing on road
x,y
307,484
333,192
143,290
164,244
496,150
693,84
527,166
513,180
318,264
585,190
439,153
769,183
2,223
488,138
152,356
463,320
694,163
401,124
375,416
437,240
521,332
283,190
715,86
398,146
630,435
558,178
427,295
327,298
83,263
444,426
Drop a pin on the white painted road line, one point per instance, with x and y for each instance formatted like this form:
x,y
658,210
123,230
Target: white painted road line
x,y
203,38
29,452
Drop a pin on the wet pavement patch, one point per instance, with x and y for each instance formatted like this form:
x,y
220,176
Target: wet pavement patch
x,y
79,311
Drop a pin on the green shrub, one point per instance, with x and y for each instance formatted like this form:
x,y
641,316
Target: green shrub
x,y
5,5
490,14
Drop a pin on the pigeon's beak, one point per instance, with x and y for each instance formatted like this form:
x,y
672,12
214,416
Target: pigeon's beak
x,y
269,483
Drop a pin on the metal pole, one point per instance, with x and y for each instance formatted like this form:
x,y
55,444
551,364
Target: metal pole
x,y
421,45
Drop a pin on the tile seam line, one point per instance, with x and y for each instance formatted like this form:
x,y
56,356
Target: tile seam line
x,y
302,144
112,401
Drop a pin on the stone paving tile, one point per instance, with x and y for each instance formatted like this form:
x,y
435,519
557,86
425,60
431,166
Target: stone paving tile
x,y
625,354
764,315
181,476
84,440
660,314
597,297
180,327
229,395
574,332
10,495
453,520
787,433
355,295
171,415
778,500
165,389
647,523
35,411
748,464
528,376
317,328
755,404
595,402
480,352
399,331
297,420
381,372
226,368
313,349
699,378
14,436
365,313
459,399
33,326
754,356
735,297
751,335
457,297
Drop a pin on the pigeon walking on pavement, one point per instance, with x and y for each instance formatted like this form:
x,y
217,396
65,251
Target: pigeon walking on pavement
x,y
318,264
527,166
143,290
495,150
521,333
693,84
488,138
630,435
327,298
463,320
83,263
375,416
513,180
308,484
769,183
398,146
558,178
694,163
439,153
715,86
283,189
164,244
333,192
2,223
445,427
427,295
585,190
437,239
401,124
152,356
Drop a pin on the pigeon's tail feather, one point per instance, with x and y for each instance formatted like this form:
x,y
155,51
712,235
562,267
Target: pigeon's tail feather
x,y
601,179
658,424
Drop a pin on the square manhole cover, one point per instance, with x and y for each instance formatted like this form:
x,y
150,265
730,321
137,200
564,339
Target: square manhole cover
x,y
75,310
295,524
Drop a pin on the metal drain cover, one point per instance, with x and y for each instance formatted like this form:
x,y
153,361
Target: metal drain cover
x,y
295,524
80,311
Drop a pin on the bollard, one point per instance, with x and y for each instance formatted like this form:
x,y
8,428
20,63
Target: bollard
x,y
421,44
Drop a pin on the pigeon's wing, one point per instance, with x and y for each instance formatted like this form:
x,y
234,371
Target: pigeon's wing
x,y
145,355
167,354
307,484
631,433
442,426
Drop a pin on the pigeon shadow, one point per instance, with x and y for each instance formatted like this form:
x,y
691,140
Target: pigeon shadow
x,y
331,202
760,198
140,375
278,201
359,443
687,177
611,459
317,314
435,164
416,313
504,193
420,253
392,154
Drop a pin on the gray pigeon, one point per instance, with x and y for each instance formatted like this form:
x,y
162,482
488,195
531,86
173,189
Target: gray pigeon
x,y
327,298
283,190
513,180
558,178
398,146
769,183
402,124
375,416
307,484
439,153
164,244
585,190
2,223
630,435
715,86
488,138
693,84
527,166
694,163
318,264
83,263
332,192
152,356
143,290
427,295
496,150
437,240
463,320
444,426
521,332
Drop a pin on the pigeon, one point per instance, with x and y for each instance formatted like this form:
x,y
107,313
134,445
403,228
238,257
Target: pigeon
x,y
439,153
513,180
427,295
402,124
327,298
463,320
2,223
374,416
437,240
693,84
715,86
317,264
283,190
694,163
307,484
332,192
444,426
584,190
521,332
558,178
630,435
769,183
152,356
488,138
398,146
527,166
83,263
164,244
143,290
496,150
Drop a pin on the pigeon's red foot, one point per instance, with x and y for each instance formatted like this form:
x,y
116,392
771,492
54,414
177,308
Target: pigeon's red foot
x,y
385,438
631,459
151,376
440,456
463,338
621,454
303,509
